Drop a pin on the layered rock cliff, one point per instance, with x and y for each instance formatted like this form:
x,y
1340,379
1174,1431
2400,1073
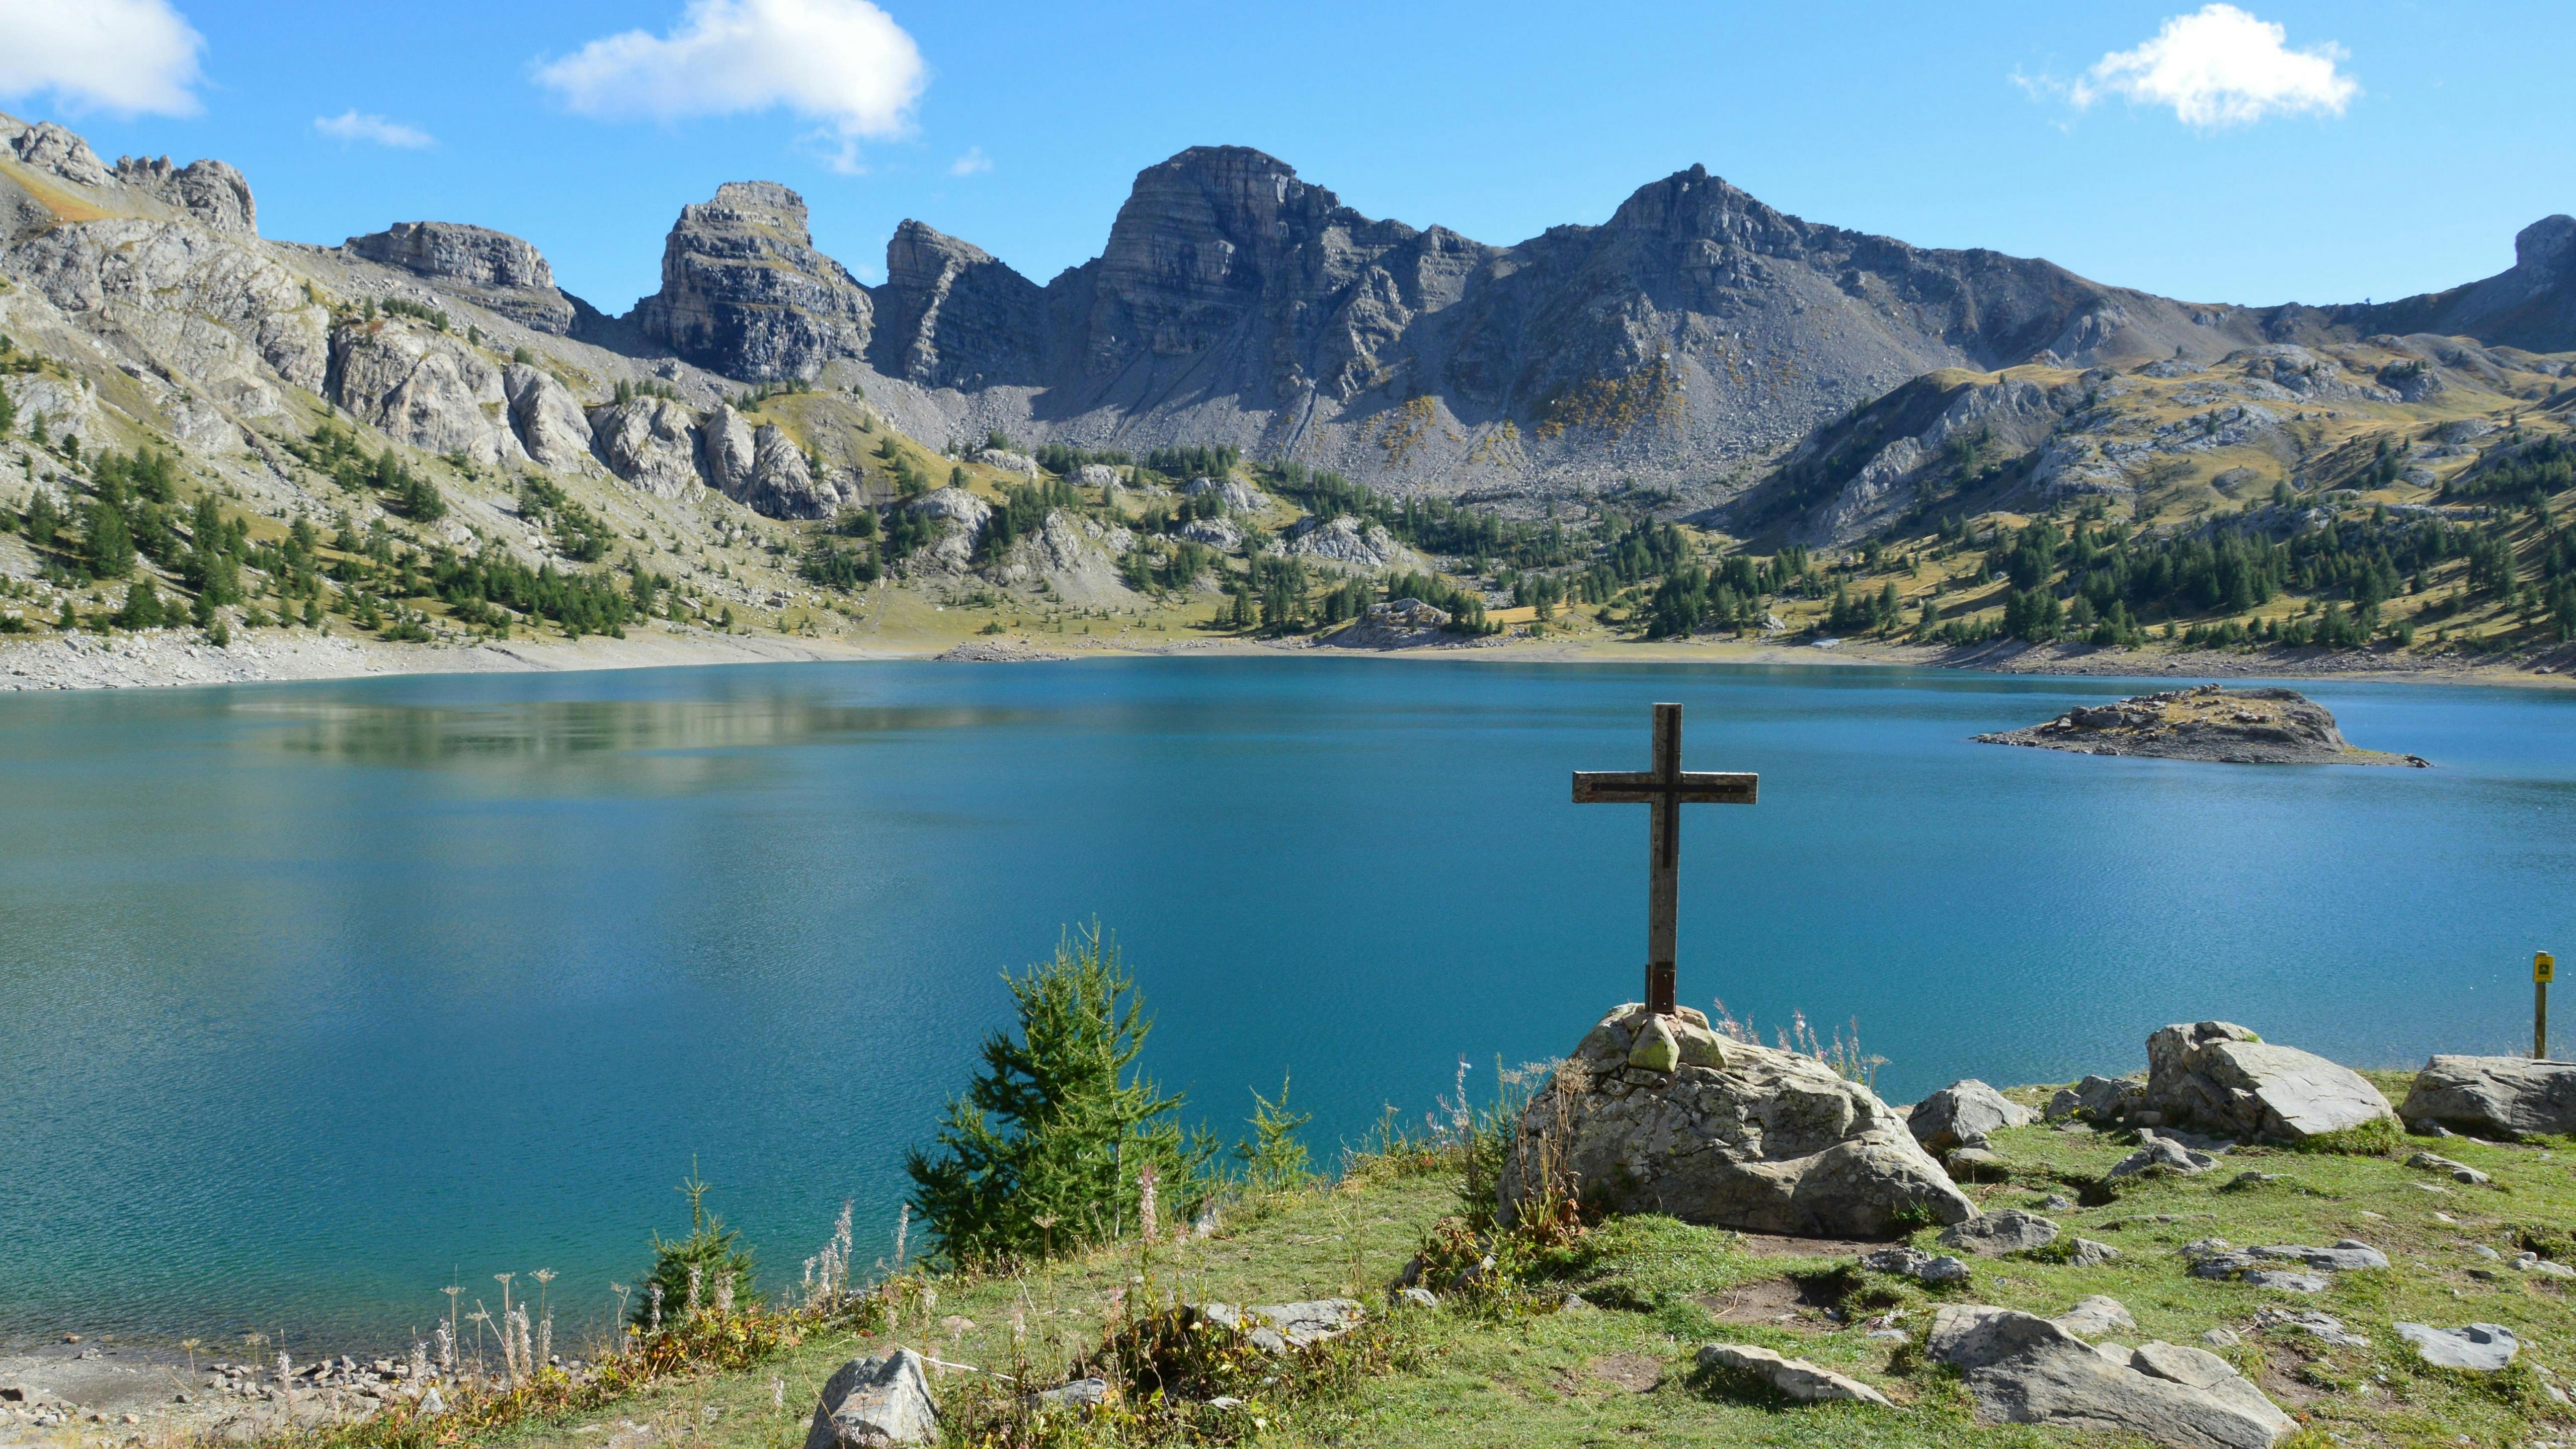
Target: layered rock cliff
x,y
745,294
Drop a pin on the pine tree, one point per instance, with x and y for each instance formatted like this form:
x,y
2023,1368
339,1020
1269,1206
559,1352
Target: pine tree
x,y
1042,1152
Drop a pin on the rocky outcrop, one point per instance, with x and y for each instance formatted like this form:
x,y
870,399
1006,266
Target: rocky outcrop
x,y
547,418
650,442
491,268
761,468
1344,543
2207,723
208,191
2500,1097
2221,1078
1287,1327
744,292
1660,1114
425,389
1075,558
2531,305
870,1403
185,300
963,517
1237,495
951,316
2020,1368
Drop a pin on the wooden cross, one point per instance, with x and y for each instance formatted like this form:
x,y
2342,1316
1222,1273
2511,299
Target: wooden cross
x,y
1666,787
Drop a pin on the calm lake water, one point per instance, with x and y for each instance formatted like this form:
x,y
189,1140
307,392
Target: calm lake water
x,y
319,997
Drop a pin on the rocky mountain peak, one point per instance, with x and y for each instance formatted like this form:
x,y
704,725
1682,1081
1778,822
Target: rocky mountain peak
x,y
745,293
209,190
494,268
2548,244
949,315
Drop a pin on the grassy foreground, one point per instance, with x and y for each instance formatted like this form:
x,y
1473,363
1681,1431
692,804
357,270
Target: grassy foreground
x,y
1520,1370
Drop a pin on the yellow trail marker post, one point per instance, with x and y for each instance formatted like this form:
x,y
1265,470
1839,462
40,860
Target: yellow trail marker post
x,y
2543,967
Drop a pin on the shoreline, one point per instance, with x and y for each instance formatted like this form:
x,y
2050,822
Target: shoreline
x,y
165,659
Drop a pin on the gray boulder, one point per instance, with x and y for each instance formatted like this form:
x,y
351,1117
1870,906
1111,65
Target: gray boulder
x,y
1992,1234
1731,1134
650,442
1008,461
2480,1347
1793,1377
1285,1326
2097,1315
875,1401
1916,1264
2090,1254
1962,1114
2454,1170
2100,1098
2503,1097
2162,1153
547,418
1240,497
2020,1368
2222,1078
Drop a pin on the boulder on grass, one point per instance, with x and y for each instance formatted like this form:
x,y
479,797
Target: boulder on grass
x,y
873,1402
1794,1377
2020,1368
1962,1114
1661,1115
1993,1234
2479,1348
2224,1079
2504,1097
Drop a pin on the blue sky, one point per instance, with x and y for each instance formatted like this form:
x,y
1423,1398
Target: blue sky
x,y
2363,150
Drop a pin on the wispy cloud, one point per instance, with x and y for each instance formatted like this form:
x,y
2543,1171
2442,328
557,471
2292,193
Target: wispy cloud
x,y
2218,66
972,162
127,56
353,126
844,63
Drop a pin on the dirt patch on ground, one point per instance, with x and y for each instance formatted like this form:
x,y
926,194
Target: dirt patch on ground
x,y
1781,1302
1636,1372
1769,1245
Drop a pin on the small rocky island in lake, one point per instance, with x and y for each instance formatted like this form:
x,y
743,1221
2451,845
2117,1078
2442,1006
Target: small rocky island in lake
x,y
2228,726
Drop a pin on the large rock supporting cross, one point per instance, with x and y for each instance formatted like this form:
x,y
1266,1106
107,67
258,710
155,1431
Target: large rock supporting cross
x,y
1660,1114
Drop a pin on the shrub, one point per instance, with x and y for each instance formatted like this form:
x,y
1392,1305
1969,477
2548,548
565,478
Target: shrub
x,y
707,1269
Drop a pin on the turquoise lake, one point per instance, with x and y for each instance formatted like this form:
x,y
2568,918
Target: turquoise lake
x,y
320,997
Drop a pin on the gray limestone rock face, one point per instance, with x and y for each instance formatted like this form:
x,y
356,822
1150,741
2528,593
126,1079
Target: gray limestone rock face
x,y
221,313
2479,1347
1343,542
1992,1234
2020,1368
1735,1135
48,147
964,517
951,316
650,442
1962,1114
873,1402
1239,496
425,389
208,190
1008,461
2100,1098
745,293
547,418
762,468
2162,1154
2220,1077
2505,1097
1077,559
1095,475
1794,1378
494,269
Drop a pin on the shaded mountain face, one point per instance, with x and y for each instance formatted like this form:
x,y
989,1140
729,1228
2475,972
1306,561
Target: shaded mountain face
x,y
745,294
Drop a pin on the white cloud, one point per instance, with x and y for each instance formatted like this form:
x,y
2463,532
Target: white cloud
x,y
2220,66
844,63
126,56
351,126
973,161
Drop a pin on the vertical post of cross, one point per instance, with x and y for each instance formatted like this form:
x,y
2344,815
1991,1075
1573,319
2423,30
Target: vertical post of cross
x,y
2543,967
1663,885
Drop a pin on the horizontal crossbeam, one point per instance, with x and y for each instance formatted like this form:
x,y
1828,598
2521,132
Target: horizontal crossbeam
x,y
1639,787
